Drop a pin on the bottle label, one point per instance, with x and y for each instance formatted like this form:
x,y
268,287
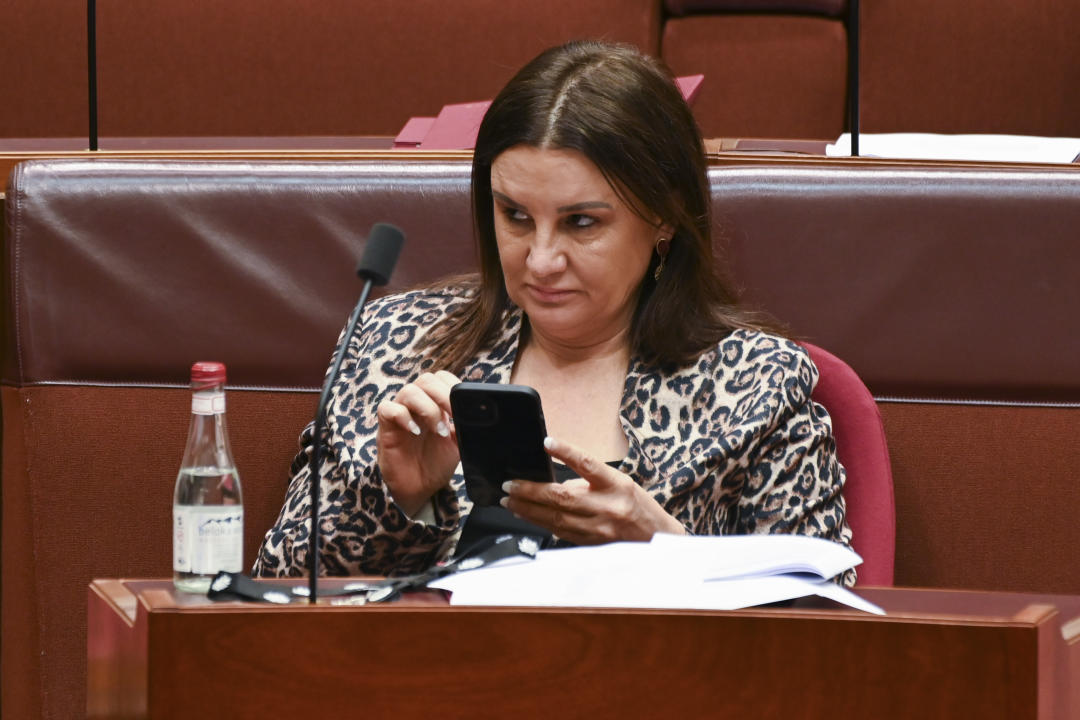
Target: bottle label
x,y
208,538
210,402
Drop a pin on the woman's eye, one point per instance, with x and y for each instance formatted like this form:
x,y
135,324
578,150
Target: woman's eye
x,y
581,221
514,215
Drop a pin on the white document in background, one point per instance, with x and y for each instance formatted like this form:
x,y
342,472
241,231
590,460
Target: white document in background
x,y
706,573
984,148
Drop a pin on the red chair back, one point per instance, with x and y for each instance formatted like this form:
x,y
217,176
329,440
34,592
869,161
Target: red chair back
x,y
860,443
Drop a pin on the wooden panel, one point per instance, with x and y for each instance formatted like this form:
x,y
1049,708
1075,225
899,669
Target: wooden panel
x,y
938,654
116,659
986,496
76,505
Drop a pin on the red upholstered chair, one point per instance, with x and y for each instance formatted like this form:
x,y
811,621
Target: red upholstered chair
x,y
860,443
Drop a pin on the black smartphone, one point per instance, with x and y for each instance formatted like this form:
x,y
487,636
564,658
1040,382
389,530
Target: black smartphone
x,y
500,435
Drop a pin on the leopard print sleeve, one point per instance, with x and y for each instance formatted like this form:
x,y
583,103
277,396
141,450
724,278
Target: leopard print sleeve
x,y
363,529
794,478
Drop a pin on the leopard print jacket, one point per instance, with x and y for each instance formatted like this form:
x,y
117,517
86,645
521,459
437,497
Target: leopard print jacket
x,y
729,445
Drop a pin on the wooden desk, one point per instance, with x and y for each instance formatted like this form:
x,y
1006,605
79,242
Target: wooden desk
x,y
938,654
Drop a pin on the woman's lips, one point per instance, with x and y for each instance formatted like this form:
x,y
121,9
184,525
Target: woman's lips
x,y
548,295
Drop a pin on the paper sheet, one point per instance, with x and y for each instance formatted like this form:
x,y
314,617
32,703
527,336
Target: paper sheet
x,y
985,148
707,573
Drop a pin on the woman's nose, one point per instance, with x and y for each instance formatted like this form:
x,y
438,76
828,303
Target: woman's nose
x,y
546,254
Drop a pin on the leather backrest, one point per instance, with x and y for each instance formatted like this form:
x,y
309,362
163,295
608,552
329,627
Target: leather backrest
x,y
931,282
907,273
127,272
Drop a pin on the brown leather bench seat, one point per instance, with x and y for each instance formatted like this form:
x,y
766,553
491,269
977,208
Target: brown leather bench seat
x,y
952,291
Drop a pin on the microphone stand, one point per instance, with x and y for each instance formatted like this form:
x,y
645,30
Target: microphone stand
x,y
854,37
91,69
376,265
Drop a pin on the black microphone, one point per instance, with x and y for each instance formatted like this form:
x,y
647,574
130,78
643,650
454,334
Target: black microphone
x,y
375,267
380,254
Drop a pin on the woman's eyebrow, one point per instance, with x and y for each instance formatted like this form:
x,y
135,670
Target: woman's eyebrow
x,y
504,199
591,205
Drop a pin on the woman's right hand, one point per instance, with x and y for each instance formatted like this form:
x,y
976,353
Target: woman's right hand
x,y
416,440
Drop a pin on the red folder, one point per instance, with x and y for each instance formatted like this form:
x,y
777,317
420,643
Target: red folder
x,y
414,132
456,127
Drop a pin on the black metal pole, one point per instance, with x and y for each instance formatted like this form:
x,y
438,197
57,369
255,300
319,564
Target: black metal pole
x,y
314,465
375,267
853,74
91,65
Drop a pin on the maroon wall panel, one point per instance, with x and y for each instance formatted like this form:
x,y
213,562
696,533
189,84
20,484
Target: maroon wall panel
x,y
280,67
334,67
986,496
765,75
825,7
997,66
43,55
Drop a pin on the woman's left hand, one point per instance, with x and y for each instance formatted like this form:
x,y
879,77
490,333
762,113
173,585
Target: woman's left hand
x,y
603,505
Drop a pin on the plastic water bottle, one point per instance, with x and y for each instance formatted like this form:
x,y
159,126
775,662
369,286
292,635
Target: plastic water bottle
x,y
208,510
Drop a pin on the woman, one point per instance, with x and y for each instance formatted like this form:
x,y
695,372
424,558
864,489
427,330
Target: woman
x,y
597,287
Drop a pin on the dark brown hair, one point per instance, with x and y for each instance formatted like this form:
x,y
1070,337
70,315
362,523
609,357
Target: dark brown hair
x,y
623,111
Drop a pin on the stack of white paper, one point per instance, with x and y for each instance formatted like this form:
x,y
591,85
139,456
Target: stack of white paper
x,y
984,148
694,572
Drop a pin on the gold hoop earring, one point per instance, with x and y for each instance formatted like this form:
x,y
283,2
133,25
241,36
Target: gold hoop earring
x,y
661,251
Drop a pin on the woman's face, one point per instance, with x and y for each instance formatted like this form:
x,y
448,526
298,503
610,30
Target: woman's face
x,y
573,254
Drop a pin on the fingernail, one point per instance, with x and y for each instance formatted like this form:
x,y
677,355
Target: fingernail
x,y
508,486
549,442
442,429
504,501
414,428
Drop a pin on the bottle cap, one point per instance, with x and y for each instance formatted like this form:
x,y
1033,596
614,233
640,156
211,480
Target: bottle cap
x,y
207,374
